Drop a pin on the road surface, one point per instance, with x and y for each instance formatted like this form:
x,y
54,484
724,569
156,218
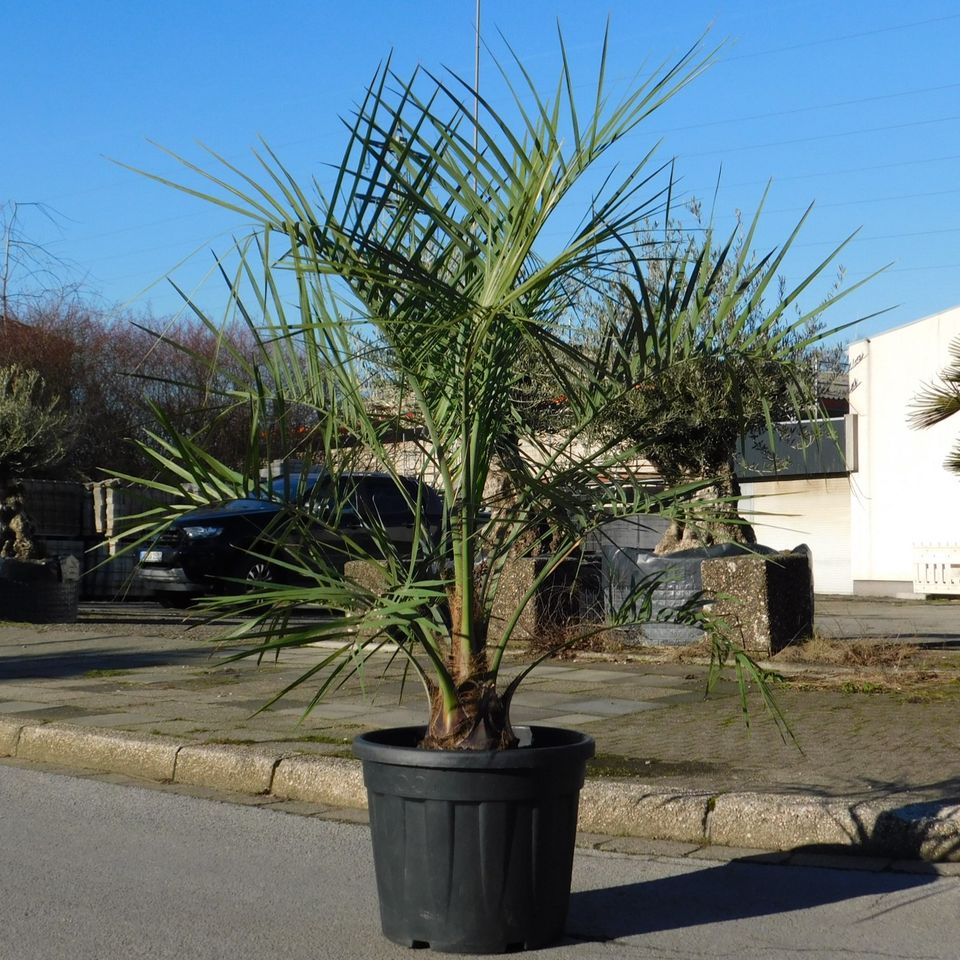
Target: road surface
x,y
93,871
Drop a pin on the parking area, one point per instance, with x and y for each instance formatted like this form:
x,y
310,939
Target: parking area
x,y
928,622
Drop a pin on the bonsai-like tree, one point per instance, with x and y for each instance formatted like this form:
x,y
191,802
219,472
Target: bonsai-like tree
x,y
718,353
433,264
31,436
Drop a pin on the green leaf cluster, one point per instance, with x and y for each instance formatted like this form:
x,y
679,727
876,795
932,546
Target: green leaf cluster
x,y
32,429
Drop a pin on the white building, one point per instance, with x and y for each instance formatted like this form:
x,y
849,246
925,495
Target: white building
x,y
891,524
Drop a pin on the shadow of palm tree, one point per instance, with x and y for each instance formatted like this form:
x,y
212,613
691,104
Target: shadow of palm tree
x,y
717,894
906,820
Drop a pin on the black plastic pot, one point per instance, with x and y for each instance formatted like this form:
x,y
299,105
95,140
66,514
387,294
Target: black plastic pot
x,y
473,849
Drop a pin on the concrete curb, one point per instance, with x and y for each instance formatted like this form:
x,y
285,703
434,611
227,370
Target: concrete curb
x,y
628,809
243,770
107,750
788,822
315,779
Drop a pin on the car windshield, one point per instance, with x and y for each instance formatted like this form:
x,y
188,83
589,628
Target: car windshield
x,y
292,486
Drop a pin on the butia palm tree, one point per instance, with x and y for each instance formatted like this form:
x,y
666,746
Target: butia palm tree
x,y
434,265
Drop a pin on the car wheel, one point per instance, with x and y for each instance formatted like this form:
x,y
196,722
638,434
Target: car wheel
x,y
257,571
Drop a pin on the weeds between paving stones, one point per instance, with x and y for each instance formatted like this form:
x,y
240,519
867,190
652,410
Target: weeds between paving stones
x,y
857,653
882,666
911,673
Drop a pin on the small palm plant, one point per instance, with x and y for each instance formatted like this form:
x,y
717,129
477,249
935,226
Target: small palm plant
x,y
940,400
406,301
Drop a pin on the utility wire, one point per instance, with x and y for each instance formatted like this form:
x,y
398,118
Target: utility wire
x,y
895,28
812,108
824,136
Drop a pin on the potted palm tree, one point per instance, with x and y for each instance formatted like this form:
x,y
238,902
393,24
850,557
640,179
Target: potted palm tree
x,y
432,265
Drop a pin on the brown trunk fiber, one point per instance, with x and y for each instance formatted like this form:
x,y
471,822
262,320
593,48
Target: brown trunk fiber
x,y
480,722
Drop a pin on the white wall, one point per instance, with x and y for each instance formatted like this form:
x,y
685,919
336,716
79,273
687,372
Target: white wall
x,y
901,495
786,513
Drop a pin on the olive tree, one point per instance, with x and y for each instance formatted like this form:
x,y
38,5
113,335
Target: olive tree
x,y
32,435
713,350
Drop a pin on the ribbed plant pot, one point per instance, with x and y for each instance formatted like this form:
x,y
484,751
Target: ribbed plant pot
x,y
473,850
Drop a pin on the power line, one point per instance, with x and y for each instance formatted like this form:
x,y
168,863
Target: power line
x,y
880,236
848,36
843,172
808,109
924,269
825,136
854,203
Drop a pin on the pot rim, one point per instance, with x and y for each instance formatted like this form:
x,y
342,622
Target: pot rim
x,y
397,746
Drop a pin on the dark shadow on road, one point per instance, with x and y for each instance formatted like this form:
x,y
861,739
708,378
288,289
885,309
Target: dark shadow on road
x,y
143,613
153,620
59,665
732,891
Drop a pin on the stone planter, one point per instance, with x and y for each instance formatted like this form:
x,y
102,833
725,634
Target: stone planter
x,y
571,594
765,597
766,602
39,591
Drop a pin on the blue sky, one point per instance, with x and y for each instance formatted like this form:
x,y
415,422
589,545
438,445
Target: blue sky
x,y
854,106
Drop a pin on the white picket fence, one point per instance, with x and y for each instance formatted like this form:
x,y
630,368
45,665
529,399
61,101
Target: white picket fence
x,y
936,569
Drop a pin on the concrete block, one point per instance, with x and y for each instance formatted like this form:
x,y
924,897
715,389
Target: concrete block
x,y
225,767
784,822
9,736
622,808
320,780
108,750
366,574
921,831
571,594
766,601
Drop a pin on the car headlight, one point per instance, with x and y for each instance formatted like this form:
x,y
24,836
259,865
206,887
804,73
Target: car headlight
x,y
201,533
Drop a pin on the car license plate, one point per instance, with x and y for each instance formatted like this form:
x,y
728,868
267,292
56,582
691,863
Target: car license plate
x,y
151,556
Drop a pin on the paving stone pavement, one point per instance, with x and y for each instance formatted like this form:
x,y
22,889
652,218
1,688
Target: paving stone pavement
x,y
149,677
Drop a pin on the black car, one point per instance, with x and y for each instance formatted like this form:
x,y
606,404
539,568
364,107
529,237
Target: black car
x,y
209,549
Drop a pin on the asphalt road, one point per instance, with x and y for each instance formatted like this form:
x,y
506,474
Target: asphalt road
x,y
94,871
